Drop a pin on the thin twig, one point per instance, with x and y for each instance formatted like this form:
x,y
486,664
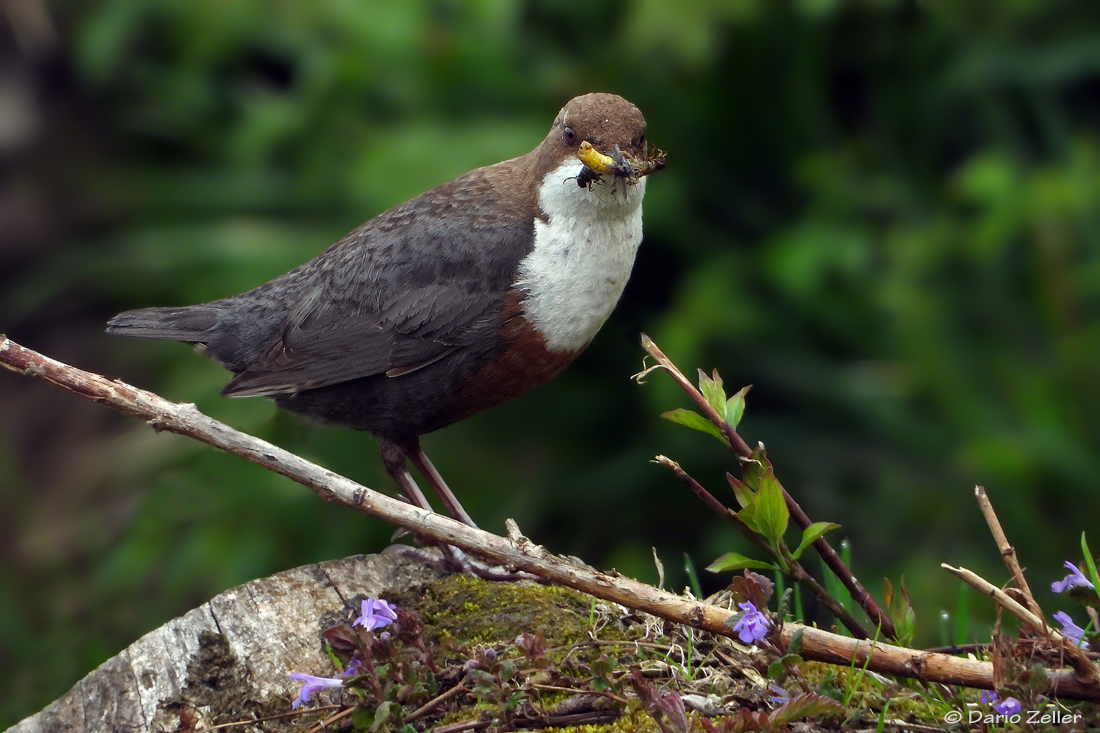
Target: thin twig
x,y
573,719
1008,552
741,449
277,716
794,569
323,724
1086,671
463,726
718,507
597,693
1003,600
435,702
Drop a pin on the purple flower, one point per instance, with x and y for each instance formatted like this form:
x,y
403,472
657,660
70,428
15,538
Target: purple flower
x,y
352,669
780,695
753,625
376,614
1075,578
987,697
312,685
1011,706
1071,630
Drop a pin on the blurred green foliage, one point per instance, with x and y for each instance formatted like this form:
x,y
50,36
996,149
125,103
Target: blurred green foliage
x,y
880,213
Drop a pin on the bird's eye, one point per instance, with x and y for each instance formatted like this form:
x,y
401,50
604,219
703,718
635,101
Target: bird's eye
x,y
569,136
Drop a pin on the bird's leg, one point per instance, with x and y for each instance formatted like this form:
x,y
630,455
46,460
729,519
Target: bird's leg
x,y
416,454
393,457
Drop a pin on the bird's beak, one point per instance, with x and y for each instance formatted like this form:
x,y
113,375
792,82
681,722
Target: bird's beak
x,y
619,163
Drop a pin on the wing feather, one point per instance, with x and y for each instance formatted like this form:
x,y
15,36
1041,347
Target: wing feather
x,y
403,291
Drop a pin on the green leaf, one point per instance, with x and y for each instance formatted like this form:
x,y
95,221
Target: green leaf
x,y
811,533
1039,679
770,509
711,387
748,518
754,469
735,406
387,712
828,686
362,719
1090,563
741,491
781,665
901,613
695,421
735,561
602,673
794,646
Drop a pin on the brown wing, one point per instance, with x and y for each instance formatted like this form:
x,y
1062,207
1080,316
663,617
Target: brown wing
x,y
404,290
333,344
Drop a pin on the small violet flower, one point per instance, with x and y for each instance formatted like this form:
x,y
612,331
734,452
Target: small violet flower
x,y
1010,706
987,697
753,625
780,695
376,613
312,685
1071,630
1075,578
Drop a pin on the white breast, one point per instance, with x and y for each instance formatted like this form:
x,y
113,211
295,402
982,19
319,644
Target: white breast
x,y
582,257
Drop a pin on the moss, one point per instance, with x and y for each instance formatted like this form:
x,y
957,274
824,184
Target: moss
x,y
905,699
484,612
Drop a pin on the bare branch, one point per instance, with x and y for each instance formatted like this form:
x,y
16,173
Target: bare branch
x,y
1008,552
517,552
1084,667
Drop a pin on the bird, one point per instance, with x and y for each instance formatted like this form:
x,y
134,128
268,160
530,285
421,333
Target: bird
x,y
460,299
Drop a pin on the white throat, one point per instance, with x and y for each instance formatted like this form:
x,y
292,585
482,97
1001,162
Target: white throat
x,y
582,257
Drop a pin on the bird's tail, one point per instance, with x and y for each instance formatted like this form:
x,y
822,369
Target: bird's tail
x,y
191,324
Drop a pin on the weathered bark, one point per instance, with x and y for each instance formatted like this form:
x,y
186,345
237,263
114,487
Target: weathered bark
x,y
230,657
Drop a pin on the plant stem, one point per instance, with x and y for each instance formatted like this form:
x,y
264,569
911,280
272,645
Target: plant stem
x,y
741,449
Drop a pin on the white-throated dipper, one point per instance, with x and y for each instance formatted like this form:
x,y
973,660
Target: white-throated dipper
x,y
460,299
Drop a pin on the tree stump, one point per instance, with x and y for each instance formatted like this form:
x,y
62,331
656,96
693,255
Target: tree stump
x,y
229,656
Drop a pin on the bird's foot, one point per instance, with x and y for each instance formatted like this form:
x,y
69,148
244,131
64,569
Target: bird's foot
x,y
454,560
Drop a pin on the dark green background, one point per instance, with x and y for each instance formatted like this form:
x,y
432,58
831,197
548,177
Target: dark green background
x,y
882,214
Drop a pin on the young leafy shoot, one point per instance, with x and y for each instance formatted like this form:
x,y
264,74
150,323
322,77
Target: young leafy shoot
x,y
901,613
737,561
810,534
771,513
695,421
735,406
731,409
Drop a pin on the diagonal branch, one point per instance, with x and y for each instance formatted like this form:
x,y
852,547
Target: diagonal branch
x,y
741,449
1008,552
795,569
1083,666
515,552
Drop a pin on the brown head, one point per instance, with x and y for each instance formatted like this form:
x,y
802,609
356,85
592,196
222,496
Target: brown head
x,y
601,119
